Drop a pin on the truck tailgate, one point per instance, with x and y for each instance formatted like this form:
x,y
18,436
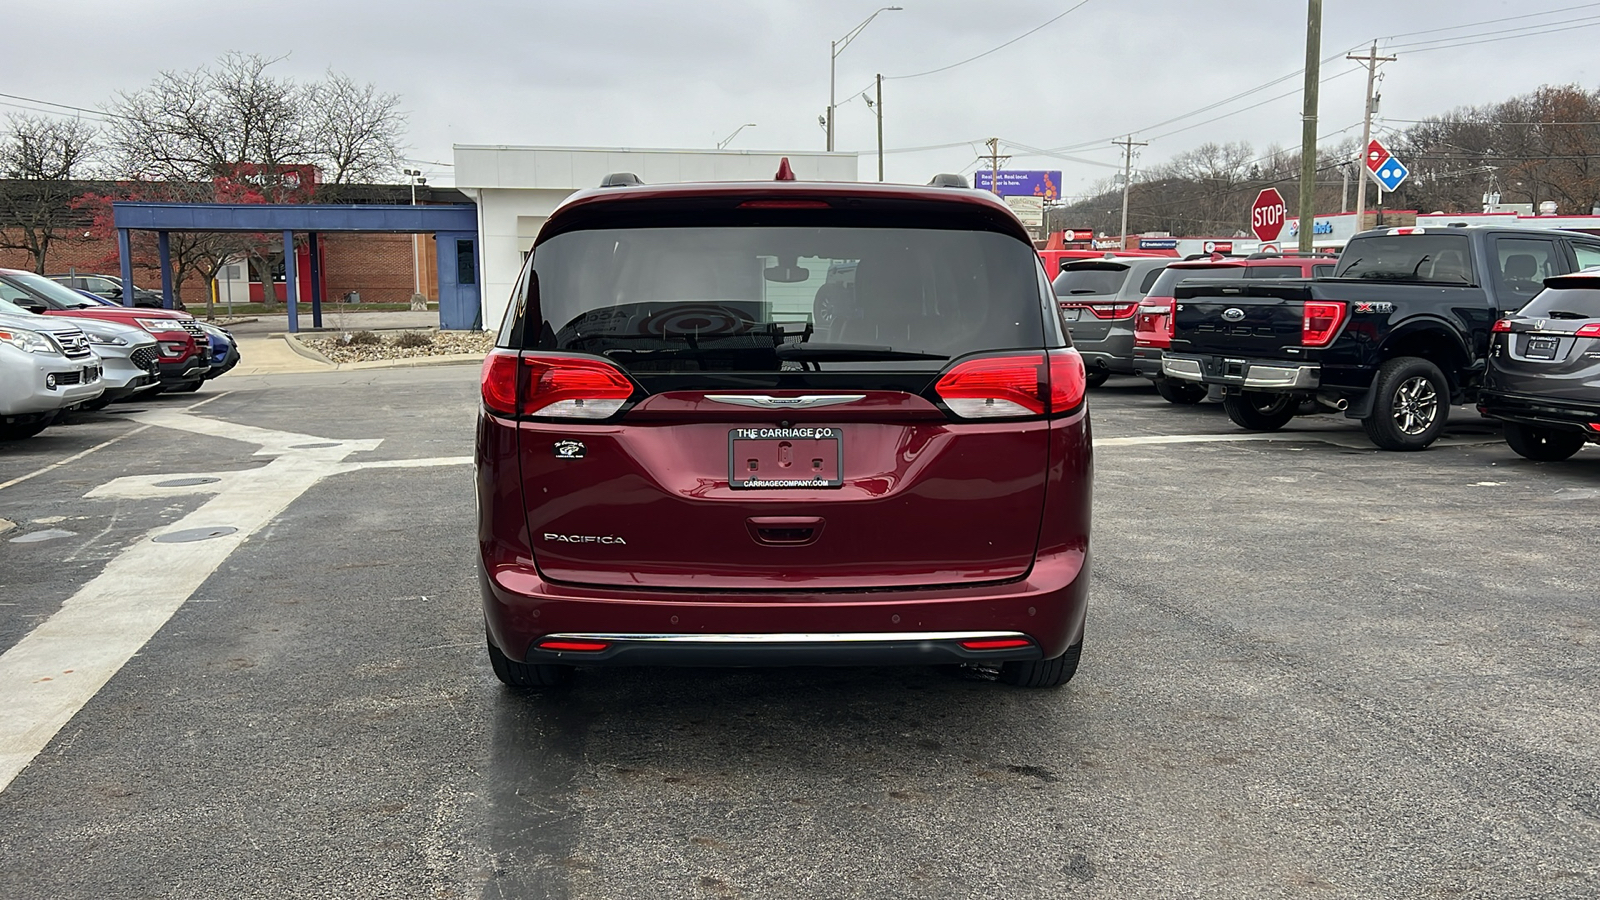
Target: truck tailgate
x,y
1239,318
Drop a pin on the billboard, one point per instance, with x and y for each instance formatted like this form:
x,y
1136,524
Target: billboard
x,y
1029,209
1021,183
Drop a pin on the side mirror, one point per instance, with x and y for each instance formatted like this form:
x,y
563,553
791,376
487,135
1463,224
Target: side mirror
x,y
33,307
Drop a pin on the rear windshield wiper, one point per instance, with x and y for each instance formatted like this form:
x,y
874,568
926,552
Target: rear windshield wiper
x,y
850,353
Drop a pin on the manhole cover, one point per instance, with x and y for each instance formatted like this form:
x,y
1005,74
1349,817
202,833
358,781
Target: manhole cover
x,y
190,535
49,534
187,482
313,446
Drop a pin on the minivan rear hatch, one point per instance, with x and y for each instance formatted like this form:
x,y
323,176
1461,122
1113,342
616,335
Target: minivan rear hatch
x,y
760,423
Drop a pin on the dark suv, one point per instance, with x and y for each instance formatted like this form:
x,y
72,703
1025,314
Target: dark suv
x,y
676,467
1544,370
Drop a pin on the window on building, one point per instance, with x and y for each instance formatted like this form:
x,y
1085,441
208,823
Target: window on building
x,y
466,262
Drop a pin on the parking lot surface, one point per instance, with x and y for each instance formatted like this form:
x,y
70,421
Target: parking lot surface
x,y
1311,669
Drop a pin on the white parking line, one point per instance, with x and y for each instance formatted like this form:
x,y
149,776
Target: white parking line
x,y
1198,439
58,667
73,458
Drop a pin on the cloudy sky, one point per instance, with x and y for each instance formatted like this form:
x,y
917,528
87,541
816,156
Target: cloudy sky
x,y
687,74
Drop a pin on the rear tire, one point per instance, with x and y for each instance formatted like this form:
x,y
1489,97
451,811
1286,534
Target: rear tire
x,y
1097,377
1543,444
1183,393
1258,411
1043,673
1410,407
523,675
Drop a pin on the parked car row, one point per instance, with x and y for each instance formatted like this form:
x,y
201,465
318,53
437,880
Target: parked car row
x,y
61,349
1405,323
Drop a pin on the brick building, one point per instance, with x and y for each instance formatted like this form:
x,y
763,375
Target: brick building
x,y
377,267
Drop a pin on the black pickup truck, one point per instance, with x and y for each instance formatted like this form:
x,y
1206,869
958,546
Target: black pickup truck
x,y
1397,335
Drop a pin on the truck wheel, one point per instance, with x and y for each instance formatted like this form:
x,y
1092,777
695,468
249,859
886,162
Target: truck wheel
x,y
1543,444
1257,411
1039,673
1183,393
1097,377
523,675
1411,406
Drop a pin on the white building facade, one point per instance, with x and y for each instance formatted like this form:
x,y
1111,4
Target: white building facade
x,y
517,188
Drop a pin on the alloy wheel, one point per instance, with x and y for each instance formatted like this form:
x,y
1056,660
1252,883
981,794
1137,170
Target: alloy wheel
x,y
1416,405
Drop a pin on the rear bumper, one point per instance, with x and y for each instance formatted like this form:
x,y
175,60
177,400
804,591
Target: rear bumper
x,y
1541,412
1113,353
903,648
1258,375
921,626
1147,361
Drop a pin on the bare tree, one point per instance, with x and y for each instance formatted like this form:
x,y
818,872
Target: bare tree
x,y
39,160
254,137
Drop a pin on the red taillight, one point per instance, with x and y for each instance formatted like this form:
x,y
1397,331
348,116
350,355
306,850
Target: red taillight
x,y
1501,326
573,646
995,387
500,382
1590,330
1594,426
559,387
1068,381
574,388
1000,387
1321,323
996,644
1112,310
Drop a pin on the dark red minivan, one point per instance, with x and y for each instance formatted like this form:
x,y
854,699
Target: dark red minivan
x,y
679,465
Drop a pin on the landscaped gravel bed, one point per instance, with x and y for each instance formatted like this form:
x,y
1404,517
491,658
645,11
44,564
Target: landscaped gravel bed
x,y
370,346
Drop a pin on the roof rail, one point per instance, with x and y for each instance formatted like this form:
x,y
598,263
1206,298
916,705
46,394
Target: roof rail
x,y
621,179
948,179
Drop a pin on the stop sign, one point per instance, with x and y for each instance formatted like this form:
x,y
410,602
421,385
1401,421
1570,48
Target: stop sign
x,y
1267,215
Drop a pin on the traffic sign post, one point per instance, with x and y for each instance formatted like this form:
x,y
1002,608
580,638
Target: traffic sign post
x,y
1268,214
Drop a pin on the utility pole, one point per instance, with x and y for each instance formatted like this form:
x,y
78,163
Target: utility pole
x,y
1344,190
1308,126
880,126
1127,146
1371,61
994,159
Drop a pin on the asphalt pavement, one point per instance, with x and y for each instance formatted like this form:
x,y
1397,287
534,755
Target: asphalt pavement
x,y
1312,669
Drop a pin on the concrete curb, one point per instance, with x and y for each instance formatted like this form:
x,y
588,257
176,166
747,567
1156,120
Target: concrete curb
x,y
303,350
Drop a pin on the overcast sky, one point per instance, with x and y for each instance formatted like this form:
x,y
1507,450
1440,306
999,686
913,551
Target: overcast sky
x,y
687,74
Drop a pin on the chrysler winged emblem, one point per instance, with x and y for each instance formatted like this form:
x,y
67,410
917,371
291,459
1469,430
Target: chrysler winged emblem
x,y
804,401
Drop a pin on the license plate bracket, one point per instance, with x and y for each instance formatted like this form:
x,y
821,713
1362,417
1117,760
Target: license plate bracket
x,y
1541,347
776,458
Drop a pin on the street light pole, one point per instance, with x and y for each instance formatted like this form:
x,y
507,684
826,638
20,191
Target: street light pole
x,y
729,139
834,49
414,178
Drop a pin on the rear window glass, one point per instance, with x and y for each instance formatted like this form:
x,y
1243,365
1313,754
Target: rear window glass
x,y
1440,258
1321,271
1273,272
1171,275
780,299
1586,303
1093,278
1150,280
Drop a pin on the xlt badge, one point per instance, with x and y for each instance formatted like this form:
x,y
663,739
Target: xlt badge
x,y
571,450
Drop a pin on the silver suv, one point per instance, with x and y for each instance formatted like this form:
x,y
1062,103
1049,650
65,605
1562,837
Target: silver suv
x,y
45,367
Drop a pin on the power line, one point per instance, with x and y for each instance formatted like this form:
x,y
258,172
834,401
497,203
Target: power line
x,y
1555,27
99,114
1019,37
1503,19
